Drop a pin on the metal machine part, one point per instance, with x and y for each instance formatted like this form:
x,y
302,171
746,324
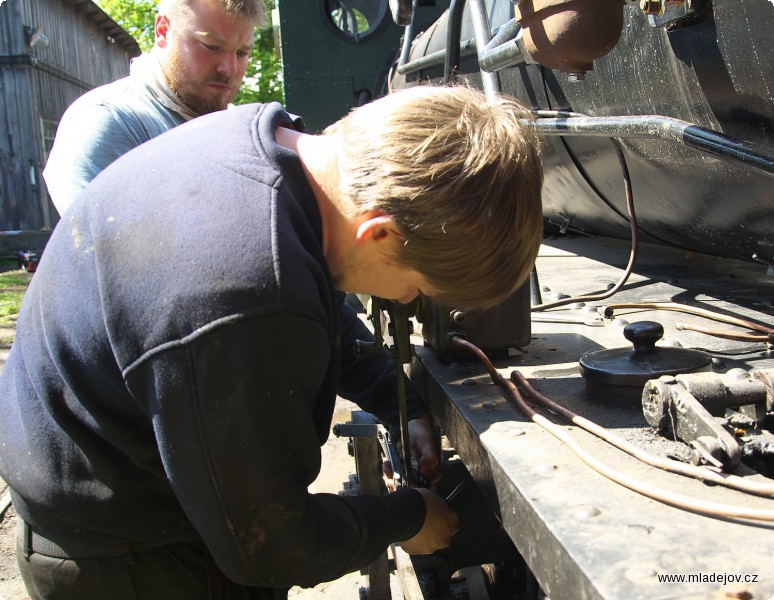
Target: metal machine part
x,y
617,376
401,11
671,14
569,35
495,330
580,535
362,430
693,408
440,576
689,104
402,350
400,329
687,90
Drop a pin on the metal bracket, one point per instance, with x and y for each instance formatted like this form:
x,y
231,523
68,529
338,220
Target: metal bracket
x,y
690,404
671,14
401,11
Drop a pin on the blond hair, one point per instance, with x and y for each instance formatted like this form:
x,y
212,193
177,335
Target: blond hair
x,y
251,10
460,174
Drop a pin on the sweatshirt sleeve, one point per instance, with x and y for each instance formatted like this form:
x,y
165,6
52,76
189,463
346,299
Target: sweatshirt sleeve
x,y
370,380
233,418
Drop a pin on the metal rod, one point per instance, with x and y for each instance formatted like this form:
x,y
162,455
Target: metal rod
x,y
481,31
467,48
506,55
408,38
654,126
534,287
400,315
504,49
497,55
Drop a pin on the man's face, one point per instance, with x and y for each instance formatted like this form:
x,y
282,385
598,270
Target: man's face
x,y
204,54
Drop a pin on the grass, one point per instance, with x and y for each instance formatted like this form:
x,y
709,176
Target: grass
x,y
13,285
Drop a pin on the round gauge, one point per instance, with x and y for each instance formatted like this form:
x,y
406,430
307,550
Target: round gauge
x,y
356,19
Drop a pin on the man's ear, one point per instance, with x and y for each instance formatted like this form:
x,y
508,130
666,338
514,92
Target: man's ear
x,y
376,226
161,30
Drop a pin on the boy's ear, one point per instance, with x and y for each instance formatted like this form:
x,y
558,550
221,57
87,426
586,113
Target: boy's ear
x,y
375,225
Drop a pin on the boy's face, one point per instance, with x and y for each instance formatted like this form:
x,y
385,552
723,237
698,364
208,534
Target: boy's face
x,y
393,282
381,274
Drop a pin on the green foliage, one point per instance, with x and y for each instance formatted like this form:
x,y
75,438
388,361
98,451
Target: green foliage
x,y
135,16
10,302
13,284
13,278
263,79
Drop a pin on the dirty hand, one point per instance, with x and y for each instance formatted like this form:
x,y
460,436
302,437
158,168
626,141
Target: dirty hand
x,y
441,523
424,448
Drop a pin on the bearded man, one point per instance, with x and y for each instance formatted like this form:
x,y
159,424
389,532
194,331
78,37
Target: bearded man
x,y
195,67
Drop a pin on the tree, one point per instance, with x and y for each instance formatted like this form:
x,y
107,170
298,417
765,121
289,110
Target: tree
x,y
263,79
136,17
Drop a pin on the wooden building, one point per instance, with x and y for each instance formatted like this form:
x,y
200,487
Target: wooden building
x,y
51,52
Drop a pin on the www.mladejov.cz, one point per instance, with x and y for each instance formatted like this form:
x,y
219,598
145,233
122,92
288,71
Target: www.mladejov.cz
x,y
721,578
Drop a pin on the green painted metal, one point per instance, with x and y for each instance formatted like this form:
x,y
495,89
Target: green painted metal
x,y
325,70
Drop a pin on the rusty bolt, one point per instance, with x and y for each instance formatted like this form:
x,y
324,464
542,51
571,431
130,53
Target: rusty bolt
x,y
651,7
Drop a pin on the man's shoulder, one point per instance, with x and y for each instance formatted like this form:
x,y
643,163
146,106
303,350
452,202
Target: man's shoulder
x,y
106,93
123,96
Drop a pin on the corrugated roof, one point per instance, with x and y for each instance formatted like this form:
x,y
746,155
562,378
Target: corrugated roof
x,y
97,16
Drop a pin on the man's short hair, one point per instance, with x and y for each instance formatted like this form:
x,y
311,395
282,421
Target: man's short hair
x,y
252,10
460,174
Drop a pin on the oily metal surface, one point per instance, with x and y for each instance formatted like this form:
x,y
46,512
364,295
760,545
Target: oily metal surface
x,y
715,72
703,74
582,535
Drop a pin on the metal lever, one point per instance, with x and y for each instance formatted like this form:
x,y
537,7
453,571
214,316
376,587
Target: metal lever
x,y
363,347
400,325
401,329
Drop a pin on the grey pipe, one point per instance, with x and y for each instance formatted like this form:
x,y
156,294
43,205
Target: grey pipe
x,y
654,126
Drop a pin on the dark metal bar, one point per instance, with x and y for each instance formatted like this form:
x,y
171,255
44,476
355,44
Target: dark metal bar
x,y
467,48
728,148
408,38
454,33
534,287
400,316
16,59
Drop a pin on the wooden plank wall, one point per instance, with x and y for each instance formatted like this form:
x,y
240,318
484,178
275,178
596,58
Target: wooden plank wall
x,y
14,127
40,83
79,55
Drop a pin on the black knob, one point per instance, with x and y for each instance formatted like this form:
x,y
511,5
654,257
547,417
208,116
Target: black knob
x,y
644,335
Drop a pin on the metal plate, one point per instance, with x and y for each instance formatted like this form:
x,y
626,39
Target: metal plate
x,y
582,535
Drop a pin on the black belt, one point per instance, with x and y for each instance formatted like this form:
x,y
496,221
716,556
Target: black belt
x,y
33,542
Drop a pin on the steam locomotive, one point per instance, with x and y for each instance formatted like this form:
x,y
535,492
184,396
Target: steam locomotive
x,y
609,430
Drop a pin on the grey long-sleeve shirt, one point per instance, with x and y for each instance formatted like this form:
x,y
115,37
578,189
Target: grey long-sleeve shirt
x,y
100,126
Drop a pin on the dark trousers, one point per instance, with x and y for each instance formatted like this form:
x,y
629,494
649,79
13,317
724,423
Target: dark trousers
x,y
172,572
